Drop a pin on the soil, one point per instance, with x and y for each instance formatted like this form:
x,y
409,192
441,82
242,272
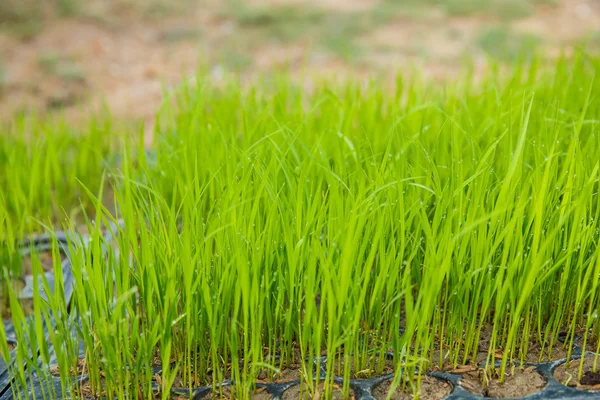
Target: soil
x,y
333,5
523,382
83,389
293,373
301,392
567,374
120,57
290,374
287,375
370,370
536,353
591,344
227,392
430,389
518,382
567,21
47,263
26,307
45,258
26,304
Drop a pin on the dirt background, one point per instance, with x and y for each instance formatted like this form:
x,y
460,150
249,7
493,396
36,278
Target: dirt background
x,y
72,55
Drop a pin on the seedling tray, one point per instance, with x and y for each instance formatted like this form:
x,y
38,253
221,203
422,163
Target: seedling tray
x,y
40,387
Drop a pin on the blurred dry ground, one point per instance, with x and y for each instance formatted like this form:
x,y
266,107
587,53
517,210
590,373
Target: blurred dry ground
x,y
73,54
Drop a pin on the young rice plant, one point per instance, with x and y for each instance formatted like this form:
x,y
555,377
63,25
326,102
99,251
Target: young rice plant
x,y
271,225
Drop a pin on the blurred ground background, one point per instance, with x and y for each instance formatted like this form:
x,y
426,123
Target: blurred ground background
x,y
68,55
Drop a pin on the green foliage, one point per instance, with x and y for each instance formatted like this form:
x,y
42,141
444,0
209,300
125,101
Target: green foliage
x,y
510,9
466,7
285,23
68,8
61,66
235,60
505,45
44,166
336,32
21,18
502,8
353,220
17,10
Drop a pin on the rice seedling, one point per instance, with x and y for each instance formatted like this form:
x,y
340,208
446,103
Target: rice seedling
x,y
270,229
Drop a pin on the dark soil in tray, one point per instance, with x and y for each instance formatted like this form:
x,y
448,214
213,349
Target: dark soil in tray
x,y
430,389
552,350
537,354
591,343
301,392
523,382
518,382
18,284
567,374
287,375
228,392
45,258
370,369
293,373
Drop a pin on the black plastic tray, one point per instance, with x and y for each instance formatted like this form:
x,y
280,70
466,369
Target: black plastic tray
x,y
40,387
